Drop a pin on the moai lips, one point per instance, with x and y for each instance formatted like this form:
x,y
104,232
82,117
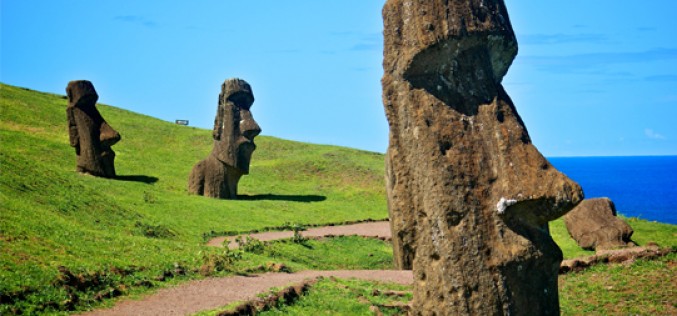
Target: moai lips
x,y
234,131
469,196
89,133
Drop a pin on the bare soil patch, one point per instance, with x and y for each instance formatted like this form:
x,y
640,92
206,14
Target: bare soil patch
x,y
212,293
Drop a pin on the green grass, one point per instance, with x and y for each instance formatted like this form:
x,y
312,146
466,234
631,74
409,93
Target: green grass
x,y
118,236
665,235
214,312
645,287
642,288
569,247
340,253
52,216
343,297
334,296
645,231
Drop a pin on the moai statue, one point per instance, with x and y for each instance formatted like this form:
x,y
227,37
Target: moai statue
x,y
594,226
469,195
234,131
89,133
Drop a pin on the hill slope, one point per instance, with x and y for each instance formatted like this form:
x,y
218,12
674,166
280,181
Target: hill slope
x,y
52,216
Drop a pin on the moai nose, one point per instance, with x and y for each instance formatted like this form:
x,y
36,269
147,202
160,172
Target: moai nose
x,y
248,126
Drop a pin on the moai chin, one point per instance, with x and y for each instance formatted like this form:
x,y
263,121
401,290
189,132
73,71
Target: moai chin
x,y
217,175
469,196
89,133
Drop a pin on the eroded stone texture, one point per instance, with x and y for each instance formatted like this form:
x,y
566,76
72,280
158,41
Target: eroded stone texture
x,y
594,225
89,133
234,131
469,196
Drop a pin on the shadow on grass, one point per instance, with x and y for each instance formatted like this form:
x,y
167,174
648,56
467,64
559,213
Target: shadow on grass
x,y
283,197
138,178
306,245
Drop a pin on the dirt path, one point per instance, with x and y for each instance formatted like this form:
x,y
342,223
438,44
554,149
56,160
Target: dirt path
x,y
369,229
195,296
212,293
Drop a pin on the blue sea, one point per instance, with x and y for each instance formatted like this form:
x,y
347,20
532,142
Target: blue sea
x,y
644,187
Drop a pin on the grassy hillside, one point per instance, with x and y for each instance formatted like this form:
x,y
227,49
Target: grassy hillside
x,y
52,216
69,240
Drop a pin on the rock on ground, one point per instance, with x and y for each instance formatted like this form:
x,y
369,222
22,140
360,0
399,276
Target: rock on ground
x,y
594,226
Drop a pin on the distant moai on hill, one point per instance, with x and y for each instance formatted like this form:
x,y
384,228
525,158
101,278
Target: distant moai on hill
x,y
89,133
217,175
469,195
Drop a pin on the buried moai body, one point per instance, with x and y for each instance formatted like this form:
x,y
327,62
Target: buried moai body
x,y
89,133
469,195
234,131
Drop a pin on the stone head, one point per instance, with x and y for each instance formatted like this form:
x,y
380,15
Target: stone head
x,y
234,125
81,94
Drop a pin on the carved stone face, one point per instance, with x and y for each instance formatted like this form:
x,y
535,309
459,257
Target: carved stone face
x,y
234,125
89,133
469,195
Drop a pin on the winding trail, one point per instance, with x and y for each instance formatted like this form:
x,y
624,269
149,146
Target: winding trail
x,y
195,296
380,229
200,295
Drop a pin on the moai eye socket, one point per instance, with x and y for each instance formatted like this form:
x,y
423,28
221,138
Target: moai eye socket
x,y
241,99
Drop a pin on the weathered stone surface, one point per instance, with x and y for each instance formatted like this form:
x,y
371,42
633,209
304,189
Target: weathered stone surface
x,y
234,131
594,225
89,133
469,196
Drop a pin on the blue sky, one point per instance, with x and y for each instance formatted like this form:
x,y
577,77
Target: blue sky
x,y
591,78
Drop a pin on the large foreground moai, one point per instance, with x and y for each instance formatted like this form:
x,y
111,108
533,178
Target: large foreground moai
x,y
89,133
469,196
234,131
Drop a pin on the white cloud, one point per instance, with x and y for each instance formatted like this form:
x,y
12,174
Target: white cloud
x,y
653,135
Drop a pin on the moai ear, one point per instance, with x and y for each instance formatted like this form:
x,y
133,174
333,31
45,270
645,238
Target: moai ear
x,y
218,122
73,135
69,93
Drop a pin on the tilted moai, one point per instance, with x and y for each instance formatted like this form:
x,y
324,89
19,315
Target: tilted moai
x,y
89,133
594,226
234,131
469,195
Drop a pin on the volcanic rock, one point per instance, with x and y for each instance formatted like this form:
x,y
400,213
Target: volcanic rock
x,y
89,133
217,175
469,196
594,226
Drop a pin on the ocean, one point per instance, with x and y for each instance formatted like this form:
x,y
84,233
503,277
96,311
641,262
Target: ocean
x,y
644,187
